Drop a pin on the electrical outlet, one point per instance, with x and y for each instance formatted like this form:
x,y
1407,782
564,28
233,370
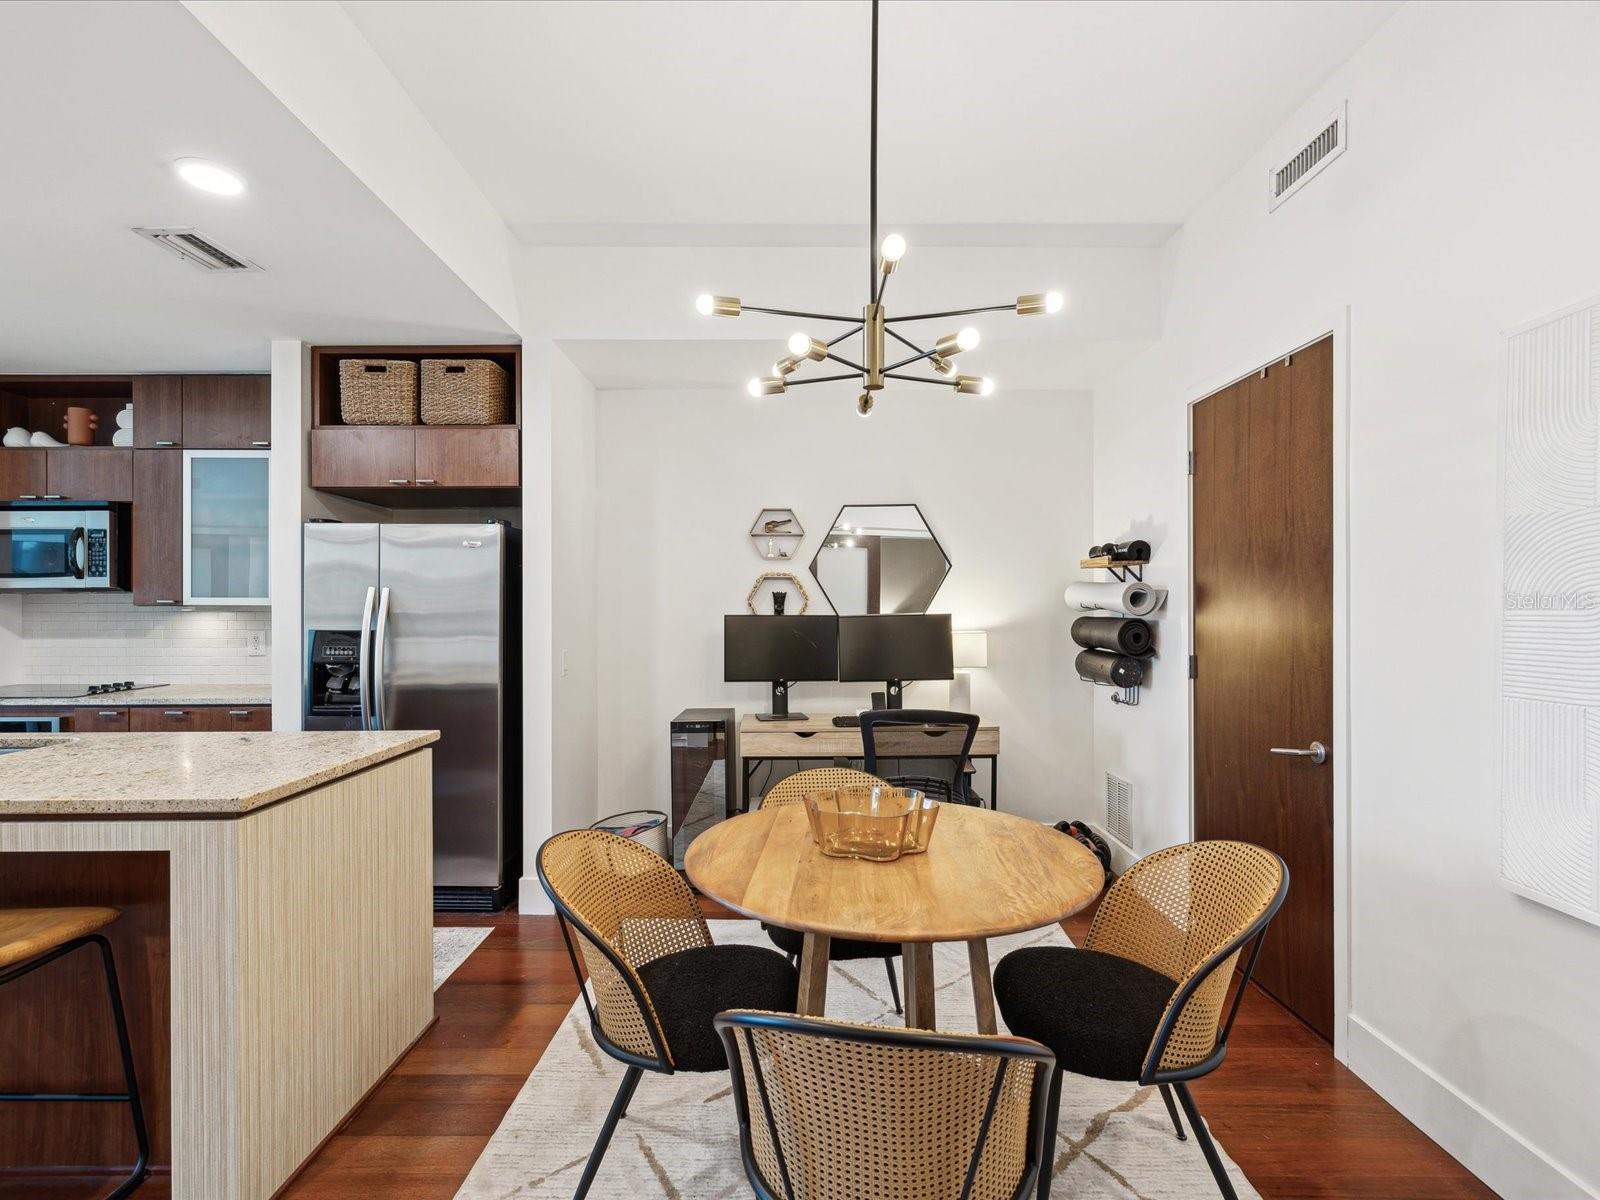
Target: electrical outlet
x,y
255,643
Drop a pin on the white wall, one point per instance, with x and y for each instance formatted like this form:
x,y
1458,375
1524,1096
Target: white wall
x,y
1465,205
10,639
1005,484
91,637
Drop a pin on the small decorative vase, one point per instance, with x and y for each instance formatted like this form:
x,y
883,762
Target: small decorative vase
x,y
80,425
779,599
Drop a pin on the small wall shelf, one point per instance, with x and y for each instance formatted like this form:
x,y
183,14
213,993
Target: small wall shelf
x,y
777,534
1120,571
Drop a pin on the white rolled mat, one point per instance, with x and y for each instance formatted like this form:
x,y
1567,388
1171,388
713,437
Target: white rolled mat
x,y
1135,599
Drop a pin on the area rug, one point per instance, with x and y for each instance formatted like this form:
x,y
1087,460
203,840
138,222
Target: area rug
x,y
679,1140
452,946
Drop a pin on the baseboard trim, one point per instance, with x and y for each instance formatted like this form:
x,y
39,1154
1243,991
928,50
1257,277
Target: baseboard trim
x,y
1479,1140
531,900
1122,857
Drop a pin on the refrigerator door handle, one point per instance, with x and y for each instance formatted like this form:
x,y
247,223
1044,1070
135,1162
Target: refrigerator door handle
x,y
378,656
365,677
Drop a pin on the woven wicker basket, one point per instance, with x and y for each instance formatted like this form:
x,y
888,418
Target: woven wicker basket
x,y
377,391
465,391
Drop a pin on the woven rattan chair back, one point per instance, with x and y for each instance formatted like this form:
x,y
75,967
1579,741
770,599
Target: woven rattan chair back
x,y
830,1110
625,906
816,779
1176,911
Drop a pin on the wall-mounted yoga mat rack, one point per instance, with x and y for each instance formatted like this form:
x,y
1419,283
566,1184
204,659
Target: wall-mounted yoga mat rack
x,y
1116,641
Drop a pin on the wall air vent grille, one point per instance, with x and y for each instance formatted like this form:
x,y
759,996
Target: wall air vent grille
x,y
1288,178
1119,809
197,249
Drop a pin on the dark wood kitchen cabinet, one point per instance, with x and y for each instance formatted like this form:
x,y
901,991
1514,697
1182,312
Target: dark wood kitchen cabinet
x,y
364,456
99,720
157,526
22,474
103,473
157,411
457,456
200,719
226,412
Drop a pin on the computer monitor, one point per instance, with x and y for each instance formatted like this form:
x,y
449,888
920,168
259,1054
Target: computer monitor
x,y
895,648
779,651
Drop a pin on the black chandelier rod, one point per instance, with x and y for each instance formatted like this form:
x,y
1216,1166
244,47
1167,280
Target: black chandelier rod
x,y
809,316
919,379
955,312
821,379
855,366
904,341
850,333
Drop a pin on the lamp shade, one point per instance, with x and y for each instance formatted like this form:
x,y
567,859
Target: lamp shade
x,y
970,647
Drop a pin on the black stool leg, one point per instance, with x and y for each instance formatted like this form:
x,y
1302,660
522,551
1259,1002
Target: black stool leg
x,y
1052,1118
1172,1111
894,986
630,1080
140,1133
1207,1146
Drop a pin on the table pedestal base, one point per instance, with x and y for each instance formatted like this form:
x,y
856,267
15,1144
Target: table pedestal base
x,y
916,960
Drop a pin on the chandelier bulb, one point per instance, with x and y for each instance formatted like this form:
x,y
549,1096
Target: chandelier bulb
x,y
708,305
864,406
973,385
703,304
968,338
1054,302
803,345
754,386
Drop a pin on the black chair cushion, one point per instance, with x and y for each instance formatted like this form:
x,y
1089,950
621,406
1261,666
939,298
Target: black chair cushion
x,y
692,986
1096,1012
790,941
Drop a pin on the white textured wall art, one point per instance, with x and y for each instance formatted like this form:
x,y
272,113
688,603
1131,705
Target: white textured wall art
x,y
1550,623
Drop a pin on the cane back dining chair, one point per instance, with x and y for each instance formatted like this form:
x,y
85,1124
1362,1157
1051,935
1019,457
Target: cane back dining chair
x,y
881,739
655,975
1144,999
792,790
833,1110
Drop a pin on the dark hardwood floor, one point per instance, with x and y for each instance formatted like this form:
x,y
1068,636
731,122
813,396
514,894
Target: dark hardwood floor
x,y
1297,1122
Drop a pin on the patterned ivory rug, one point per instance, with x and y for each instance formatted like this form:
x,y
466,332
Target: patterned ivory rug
x,y
452,946
679,1140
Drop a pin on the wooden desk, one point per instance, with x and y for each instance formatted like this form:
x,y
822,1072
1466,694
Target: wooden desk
x,y
817,737
985,874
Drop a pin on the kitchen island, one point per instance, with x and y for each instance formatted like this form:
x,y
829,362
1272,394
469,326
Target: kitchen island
x,y
275,948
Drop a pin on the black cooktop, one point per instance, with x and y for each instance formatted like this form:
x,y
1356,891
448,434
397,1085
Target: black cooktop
x,y
68,691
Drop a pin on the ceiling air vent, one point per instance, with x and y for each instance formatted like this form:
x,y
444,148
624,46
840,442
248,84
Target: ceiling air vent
x,y
1288,178
197,249
1119,809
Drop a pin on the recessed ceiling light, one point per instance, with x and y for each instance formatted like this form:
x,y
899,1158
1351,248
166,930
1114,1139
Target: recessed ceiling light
x,y
208,177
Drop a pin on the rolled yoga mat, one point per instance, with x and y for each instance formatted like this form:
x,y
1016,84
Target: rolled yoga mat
x,y
1120,635
1104,666
1135,599
1122,551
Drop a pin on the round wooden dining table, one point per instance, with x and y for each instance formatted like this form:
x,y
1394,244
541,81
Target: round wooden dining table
x,y
984,874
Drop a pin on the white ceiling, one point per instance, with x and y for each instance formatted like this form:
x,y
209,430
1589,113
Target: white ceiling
x,y
104,97
645,115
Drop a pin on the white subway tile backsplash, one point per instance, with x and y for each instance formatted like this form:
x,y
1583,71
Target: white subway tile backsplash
x,y
69,638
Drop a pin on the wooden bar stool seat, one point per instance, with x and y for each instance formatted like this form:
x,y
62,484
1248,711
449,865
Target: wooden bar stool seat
x,y
31,938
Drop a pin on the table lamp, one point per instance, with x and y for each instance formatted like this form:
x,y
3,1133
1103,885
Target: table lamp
x,y
969,648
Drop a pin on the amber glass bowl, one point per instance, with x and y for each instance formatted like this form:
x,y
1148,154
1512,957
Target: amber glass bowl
x,y
878,824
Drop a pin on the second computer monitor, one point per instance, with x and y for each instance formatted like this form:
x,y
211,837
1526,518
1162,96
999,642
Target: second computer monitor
x,y
779,651
895,648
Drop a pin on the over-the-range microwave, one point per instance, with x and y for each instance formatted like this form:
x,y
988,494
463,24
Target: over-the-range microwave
x,y
60,547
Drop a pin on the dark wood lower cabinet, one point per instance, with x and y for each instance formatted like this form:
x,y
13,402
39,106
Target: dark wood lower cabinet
x,y
99,720
199,719
157,526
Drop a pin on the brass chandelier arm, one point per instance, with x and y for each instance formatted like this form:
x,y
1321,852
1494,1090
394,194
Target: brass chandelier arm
x,y
957,312
821,379
805,316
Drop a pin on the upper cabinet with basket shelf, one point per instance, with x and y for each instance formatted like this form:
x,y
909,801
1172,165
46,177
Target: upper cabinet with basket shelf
x,y
401,424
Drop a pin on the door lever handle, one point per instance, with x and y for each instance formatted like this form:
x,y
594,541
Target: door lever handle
x,y
1317,752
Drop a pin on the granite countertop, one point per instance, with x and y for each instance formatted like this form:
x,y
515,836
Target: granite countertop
x,y
181,774
193,694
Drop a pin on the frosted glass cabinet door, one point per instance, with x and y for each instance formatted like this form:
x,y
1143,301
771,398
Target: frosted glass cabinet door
x,y
225,527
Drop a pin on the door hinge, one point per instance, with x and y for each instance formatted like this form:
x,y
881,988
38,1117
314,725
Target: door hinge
x,y
1194,667
1191,462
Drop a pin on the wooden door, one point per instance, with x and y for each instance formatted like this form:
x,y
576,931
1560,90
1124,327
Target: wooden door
x,y
157,411
363,456
157,526
226,412
22,474
458,456
1263,641
89,473
99,720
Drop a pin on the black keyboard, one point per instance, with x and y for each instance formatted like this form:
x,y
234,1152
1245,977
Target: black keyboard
x,y
848,722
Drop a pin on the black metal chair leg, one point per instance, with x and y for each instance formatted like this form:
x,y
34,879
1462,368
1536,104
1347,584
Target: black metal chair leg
x,y
1203,1136
1172,1111
140,1133
894,986
630,1080
1052,1118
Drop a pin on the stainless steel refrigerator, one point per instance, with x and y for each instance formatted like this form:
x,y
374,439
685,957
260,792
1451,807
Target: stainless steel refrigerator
x,y
417,627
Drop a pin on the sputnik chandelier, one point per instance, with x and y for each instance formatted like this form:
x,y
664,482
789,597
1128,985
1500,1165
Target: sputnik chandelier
x,y
874,324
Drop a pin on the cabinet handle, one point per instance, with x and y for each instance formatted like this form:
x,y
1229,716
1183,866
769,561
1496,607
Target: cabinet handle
x,y
166,601
261,443
162,442
400,481
174,712
112,713
27,496
238,712
422,481
50,496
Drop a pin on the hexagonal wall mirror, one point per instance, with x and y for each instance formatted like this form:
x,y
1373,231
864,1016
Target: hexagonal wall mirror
x,y
880,558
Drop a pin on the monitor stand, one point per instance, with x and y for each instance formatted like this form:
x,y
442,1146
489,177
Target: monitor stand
x,y
891,694
780,705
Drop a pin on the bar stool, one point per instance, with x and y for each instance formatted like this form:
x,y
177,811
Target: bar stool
x,y
31,938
